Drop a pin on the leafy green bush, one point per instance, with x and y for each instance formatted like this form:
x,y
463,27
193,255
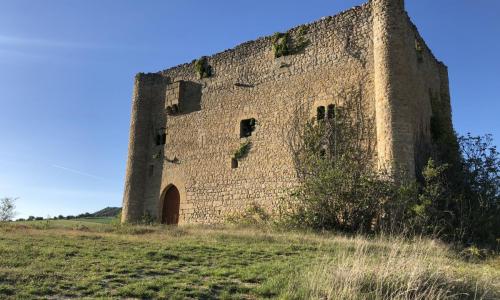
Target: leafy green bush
x,y
340,188
432,198
462,202
477,207
117,220
284,44
148,219
281,44
203,69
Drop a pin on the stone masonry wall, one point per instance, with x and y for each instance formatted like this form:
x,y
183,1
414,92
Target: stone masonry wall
x,y
249,82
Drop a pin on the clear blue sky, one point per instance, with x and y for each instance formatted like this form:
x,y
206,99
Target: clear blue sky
x,y
67,68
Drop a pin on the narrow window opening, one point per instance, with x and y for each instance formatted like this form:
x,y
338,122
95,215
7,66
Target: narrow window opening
x,y
175,109
331,112
419,49
161,139
247,127
234,163
151,170
320,113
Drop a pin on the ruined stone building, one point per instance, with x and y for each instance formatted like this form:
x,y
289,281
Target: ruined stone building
x,y
189,123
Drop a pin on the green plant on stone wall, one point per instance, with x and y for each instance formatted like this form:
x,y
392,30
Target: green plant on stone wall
x,y
202,67
284,44
243,150
147,219
303,30
302,42
281,43
139,75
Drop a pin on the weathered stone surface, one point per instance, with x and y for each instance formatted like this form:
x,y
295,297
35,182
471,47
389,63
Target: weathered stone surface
x,y
370,48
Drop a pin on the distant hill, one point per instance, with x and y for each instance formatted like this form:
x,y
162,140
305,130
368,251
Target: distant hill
x,y
107,212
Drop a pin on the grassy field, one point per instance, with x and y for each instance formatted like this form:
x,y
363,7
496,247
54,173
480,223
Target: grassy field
x,y
99,220
96,259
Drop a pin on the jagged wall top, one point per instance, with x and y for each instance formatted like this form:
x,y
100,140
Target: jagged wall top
x,y
397,4
249,48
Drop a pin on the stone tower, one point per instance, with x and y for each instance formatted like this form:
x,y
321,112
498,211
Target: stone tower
x,y
189,121
395,138
146,93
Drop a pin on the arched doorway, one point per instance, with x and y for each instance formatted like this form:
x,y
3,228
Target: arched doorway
x,y
171,203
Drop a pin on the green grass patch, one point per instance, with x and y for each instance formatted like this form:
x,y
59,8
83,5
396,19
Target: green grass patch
x,y
100,220
59,259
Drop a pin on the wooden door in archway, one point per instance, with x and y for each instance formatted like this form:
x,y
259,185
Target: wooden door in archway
x,y
171,203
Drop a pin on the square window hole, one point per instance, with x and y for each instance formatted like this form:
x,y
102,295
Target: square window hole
x,y
247,126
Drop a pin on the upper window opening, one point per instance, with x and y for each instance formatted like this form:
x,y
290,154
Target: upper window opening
x,y
320,113
331,112
419,49
161,139
247,127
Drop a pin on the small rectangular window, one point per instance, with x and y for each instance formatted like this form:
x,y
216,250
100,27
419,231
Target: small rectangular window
x,y
234,163
161,139
419,49
331,112
151,170
247,127
320,113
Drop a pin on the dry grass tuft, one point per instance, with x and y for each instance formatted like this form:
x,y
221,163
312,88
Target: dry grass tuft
x,y
417,269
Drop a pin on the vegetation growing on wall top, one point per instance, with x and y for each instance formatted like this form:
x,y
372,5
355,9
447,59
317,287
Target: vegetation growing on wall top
x,y
284,44
281,44
139,75
202,67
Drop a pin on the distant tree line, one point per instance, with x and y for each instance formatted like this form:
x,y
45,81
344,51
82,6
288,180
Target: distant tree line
x,y
106,212
59,217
